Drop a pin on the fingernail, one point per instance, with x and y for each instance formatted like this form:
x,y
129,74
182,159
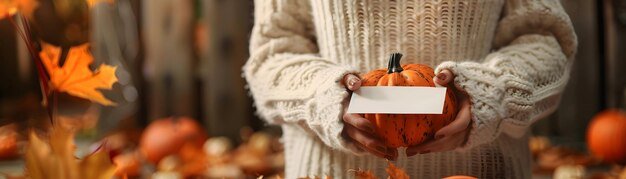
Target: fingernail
x,y
425,152
353,81
441,76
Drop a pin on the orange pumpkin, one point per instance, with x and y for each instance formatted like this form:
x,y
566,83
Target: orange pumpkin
x,y
166,136
403,130
606,136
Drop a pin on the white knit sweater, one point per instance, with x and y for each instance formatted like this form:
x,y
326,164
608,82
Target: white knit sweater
x,y
513,57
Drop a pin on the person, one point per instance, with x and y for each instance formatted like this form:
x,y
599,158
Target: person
x,y
510,58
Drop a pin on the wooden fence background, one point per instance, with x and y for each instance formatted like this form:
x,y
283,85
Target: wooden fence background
x,y
167,74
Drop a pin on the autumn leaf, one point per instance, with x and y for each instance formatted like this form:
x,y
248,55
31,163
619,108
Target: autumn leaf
x,y
97,166
395,172
51,159
10,7
75,77
54,158
362,174
7,7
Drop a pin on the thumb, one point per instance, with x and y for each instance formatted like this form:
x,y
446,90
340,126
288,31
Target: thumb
x,y
443,78
352,82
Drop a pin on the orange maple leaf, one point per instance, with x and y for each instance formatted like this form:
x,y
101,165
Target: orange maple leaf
x,y
7,7
75,77
10,7
395,172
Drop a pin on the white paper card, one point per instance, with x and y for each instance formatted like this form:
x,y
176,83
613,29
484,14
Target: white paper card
x,y
398,100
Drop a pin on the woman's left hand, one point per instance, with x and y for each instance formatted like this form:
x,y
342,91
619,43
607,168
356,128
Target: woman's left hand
x,y
454,134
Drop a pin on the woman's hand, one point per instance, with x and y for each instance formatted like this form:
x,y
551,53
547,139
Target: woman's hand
x,y
360,130
454,134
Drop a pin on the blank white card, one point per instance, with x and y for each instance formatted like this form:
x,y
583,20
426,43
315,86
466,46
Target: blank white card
x,y
398,100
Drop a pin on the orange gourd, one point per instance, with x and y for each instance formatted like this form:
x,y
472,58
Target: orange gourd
x,y
606,136
403,130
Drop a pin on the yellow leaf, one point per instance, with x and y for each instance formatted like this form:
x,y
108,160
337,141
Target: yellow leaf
x,y
75,77
37,153
97,166
54,158
395,172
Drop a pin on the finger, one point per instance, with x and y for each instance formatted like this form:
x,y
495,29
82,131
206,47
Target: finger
x,y
444,77
359,122
367,142
352,82
392,155
438,145
460,123
433,146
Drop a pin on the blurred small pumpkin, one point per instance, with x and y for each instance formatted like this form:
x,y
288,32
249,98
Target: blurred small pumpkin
x,y
403,130
606,136
8,145
127,165
164,137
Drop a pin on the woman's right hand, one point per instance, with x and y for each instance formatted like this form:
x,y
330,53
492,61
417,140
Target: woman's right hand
x,y
360,130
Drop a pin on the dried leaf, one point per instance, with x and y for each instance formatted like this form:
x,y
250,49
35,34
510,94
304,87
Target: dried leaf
x,y
97,166
361,174
62,146
10,7
395,172
55,158
37,156
75,77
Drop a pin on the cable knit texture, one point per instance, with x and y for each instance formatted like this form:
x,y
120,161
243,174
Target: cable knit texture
x,y
512,57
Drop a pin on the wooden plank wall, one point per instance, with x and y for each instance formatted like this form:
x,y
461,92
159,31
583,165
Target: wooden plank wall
x,y
226,107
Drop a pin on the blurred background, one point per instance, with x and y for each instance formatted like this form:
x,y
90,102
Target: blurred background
x,y
183,58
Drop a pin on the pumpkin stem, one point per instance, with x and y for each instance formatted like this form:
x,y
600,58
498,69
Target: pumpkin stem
x,y
394,63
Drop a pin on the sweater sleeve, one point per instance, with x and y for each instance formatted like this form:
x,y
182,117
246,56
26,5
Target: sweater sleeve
x,y
289,81
522,79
